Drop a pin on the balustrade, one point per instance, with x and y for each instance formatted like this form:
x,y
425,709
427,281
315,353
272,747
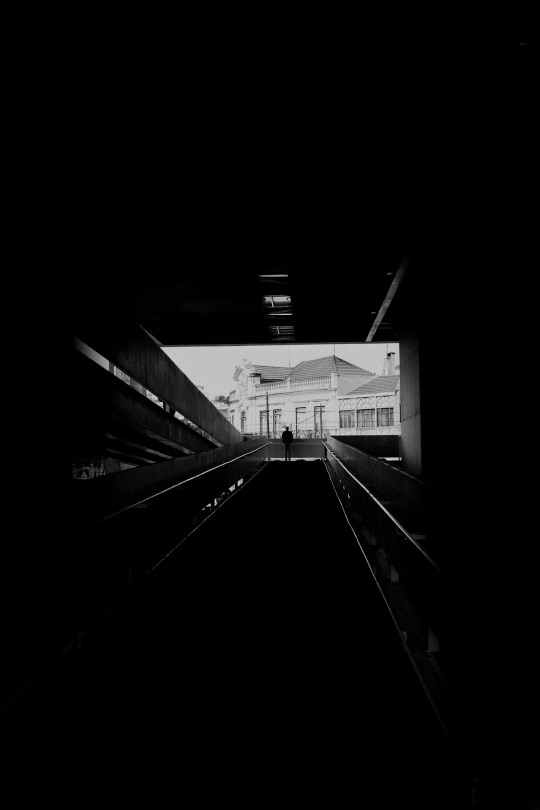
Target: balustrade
x,y
293,385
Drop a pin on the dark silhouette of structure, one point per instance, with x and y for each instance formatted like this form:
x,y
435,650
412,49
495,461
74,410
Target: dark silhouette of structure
x,y
438,259
287,439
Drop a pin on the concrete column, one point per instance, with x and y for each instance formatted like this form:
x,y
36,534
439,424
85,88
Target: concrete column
x,y
432,360
411,417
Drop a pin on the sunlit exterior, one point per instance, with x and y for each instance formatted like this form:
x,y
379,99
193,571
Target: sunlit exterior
x,y
326,396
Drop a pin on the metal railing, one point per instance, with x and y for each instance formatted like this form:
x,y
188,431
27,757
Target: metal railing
x,y
111,553
168,489
116,529
401,513
393,519
300,449
437,705
327,430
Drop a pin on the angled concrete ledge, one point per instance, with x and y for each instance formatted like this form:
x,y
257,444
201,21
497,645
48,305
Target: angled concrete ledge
x,y
103,404
131,349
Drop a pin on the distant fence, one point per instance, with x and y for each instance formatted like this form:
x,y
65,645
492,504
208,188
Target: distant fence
x,y
300,448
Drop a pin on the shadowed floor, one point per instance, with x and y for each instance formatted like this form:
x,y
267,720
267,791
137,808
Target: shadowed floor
x,y
256,667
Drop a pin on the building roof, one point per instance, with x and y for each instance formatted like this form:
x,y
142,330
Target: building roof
x,y
324,366
272,373
380,385
310,369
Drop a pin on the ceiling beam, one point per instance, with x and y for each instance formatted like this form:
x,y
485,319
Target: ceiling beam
x,y
392,290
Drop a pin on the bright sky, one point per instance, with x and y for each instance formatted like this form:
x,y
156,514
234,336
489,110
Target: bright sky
x,y
213,367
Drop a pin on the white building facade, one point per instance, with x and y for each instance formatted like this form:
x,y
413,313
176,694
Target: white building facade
x,y
373,408
307,398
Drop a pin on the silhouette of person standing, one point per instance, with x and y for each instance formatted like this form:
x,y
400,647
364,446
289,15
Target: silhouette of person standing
x,y
286,438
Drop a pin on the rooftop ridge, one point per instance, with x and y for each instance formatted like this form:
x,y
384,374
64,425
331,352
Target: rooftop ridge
x,y
325,366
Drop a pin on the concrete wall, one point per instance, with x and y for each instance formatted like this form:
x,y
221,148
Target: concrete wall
x,y
433,354
411,408
379,445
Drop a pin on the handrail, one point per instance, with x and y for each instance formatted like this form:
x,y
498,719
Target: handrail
x,y
173,486
394,520
95,624
404,645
